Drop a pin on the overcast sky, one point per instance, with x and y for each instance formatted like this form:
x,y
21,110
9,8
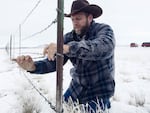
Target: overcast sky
x,y
128,18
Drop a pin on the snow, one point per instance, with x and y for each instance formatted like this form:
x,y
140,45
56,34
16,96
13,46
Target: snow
x,y
132,83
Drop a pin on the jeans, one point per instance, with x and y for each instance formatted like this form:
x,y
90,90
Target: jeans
x,y
103,103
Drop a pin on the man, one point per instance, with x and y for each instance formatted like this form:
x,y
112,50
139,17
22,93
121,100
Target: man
x,y
90,48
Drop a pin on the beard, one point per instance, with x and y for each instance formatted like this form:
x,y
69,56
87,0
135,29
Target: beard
x,y
83,30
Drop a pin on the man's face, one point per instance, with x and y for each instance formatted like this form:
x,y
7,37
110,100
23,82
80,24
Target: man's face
x,y
81,21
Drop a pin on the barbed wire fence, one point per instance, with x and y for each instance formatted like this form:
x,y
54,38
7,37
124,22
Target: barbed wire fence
x,y
16,45
11,46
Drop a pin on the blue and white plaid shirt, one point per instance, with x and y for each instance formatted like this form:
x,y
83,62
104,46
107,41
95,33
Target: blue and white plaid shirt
x,y
93,59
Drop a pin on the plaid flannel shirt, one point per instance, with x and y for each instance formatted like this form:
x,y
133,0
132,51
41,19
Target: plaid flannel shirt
x,y
93,59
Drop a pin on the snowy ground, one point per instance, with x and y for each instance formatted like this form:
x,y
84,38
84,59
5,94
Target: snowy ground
x,y
132,84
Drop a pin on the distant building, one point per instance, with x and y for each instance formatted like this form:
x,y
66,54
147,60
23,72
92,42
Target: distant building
x,y
133,45
145,44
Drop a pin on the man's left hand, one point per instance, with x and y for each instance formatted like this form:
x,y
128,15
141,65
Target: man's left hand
x,y
51,50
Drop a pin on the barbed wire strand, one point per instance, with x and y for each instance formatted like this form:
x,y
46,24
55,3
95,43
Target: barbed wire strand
x,y
29,14
38,91
41,31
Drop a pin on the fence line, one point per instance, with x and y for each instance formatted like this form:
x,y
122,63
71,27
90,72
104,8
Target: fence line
x,y
9,49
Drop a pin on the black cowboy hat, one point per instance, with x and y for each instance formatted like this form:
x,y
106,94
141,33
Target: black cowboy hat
x,y
84,6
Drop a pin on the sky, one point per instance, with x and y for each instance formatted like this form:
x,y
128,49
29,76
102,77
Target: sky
x,y
128,18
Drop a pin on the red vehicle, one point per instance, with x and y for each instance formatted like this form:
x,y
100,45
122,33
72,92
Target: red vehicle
x,y
133,45
146,44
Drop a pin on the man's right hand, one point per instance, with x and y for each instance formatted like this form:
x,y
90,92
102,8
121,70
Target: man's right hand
x,y
25,62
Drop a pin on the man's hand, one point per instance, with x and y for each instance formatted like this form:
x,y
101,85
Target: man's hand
x,y
25,62
51,50
65,49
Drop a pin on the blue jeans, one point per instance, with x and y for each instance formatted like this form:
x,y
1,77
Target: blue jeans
x,y
104,103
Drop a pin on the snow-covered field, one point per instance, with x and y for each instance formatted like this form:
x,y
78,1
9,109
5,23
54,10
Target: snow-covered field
x,y
132,84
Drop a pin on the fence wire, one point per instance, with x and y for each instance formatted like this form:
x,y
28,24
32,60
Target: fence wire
x,y
29,14
38,91
41,31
